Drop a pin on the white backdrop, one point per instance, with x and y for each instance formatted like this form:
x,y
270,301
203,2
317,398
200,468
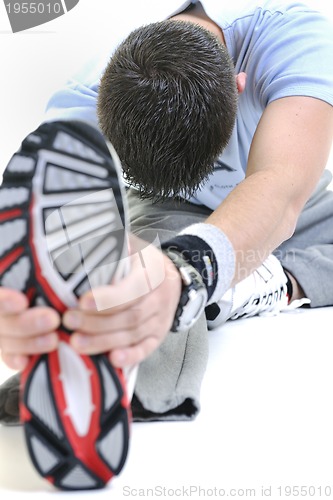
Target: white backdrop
x,y
36,62
267,407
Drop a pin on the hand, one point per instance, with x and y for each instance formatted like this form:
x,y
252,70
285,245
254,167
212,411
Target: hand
x,y
25,331
134,315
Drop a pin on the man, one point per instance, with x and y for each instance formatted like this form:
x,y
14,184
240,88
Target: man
x,y
246,147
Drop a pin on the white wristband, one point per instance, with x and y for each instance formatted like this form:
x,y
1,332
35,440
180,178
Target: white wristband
x,y
223,251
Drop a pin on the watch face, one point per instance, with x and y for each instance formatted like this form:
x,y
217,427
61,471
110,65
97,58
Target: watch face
x,y
192,309
193,296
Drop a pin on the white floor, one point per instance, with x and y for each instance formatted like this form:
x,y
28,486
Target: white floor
x,y
266,422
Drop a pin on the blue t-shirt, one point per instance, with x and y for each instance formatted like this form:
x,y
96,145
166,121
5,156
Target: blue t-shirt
x,y
284,47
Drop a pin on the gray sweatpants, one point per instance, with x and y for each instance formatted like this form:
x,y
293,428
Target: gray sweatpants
x,y
169,381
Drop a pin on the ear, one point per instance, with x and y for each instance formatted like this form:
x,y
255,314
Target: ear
x,y
241,82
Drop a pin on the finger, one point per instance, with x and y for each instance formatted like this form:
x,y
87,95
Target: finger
x,y
34,345
15,361
12,301
134,354
98,322
104,342
31,322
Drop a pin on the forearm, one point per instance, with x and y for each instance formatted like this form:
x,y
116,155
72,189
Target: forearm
x,y
257,217
287,156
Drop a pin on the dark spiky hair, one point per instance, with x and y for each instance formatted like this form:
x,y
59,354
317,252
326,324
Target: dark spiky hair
x,y
167,102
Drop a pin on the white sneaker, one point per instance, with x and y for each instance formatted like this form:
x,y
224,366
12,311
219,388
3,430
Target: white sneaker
x,y
264,292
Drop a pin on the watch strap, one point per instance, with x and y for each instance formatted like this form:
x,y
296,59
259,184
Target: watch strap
x,y
191,282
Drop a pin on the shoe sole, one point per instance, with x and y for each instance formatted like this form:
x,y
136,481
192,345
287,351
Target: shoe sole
x,y
63,224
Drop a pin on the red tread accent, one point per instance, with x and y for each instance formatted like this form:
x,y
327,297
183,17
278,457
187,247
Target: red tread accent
x,y
10,214
10,258
83,446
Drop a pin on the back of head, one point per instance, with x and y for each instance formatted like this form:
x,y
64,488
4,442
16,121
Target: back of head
x,y
167,102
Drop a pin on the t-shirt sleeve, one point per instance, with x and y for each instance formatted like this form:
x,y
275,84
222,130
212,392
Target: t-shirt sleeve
x,y
294,56
77,100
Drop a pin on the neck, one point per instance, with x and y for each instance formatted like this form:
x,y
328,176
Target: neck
x,y
197,15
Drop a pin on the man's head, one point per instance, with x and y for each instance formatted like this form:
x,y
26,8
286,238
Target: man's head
x,y
167,102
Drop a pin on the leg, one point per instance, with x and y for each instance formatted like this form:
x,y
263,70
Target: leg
x,y
308,255
163,219
169,381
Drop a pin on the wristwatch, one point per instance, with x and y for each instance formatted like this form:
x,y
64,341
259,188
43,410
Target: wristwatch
x,y
193,296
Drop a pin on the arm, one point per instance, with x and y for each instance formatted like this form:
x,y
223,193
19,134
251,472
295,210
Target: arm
x,y
288,154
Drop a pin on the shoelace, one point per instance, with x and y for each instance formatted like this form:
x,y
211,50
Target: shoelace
x,y
264,304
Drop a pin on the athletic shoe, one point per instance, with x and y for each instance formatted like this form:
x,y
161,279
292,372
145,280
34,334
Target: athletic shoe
x,y
62,232
264,292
